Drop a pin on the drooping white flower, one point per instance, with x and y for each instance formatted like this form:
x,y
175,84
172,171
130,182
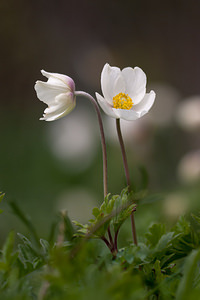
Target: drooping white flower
x,y
57,93
124,93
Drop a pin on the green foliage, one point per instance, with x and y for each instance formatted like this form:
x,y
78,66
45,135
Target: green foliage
x,y
113,212
190,279
164,265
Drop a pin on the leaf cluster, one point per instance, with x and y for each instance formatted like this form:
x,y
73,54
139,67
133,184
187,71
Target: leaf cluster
x,y
113,212
164,265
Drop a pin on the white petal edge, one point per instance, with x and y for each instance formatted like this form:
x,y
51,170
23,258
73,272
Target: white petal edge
x,y
128,115
64,105
145,104
135,80
47,92
112,82
60,79
107,108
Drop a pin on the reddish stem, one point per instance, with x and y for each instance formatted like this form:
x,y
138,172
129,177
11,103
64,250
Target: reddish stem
x,y
127,175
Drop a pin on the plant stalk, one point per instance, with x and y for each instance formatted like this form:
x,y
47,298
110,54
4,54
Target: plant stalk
x,y
115,240
110,237
103,142
107,243
126,169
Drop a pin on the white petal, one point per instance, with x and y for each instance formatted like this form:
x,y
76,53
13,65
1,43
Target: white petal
x,y
47,92
118,86
64,104
107,108
144,106
112,82
128,115
59,79
135,80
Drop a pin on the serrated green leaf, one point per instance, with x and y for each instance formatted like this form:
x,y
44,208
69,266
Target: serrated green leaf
x,y
95,212
7,250
196,218
123,206
25,219
182,226
158,273
185,286
45,246
69,229
110,205
36,262
25,240
22,255
164,240
155,233
78,224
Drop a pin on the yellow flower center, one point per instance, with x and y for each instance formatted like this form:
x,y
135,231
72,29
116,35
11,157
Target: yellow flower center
x,y
122,101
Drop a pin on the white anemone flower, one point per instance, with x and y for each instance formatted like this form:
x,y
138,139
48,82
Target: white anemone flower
x,y
124,93
57,93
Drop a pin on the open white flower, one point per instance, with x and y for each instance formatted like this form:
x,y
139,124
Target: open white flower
x,y
124,93
57,93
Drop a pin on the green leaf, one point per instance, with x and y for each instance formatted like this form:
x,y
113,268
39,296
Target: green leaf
x,y
7,250
185,286
95,212
45,246
123,207
69,229
25,240
158,272
25,219
164,240
114,210
155,233
196,218
182,226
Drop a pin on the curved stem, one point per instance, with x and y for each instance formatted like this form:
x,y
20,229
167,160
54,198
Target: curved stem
x,y
115,240
106,242
103,142
110,236
127,174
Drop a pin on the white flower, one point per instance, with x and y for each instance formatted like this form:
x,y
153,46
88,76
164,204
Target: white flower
x,y
57,93
124,93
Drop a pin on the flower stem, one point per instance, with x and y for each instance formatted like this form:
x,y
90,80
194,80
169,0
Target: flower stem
x,y
107,243
110,236
127,174
103,142
115,240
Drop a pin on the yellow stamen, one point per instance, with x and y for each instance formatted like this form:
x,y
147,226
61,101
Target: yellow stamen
x,y
122,101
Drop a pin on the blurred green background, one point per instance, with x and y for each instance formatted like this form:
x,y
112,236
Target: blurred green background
x,y
46,167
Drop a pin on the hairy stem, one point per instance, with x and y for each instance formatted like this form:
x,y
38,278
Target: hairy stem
x,y
126,169
103,142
